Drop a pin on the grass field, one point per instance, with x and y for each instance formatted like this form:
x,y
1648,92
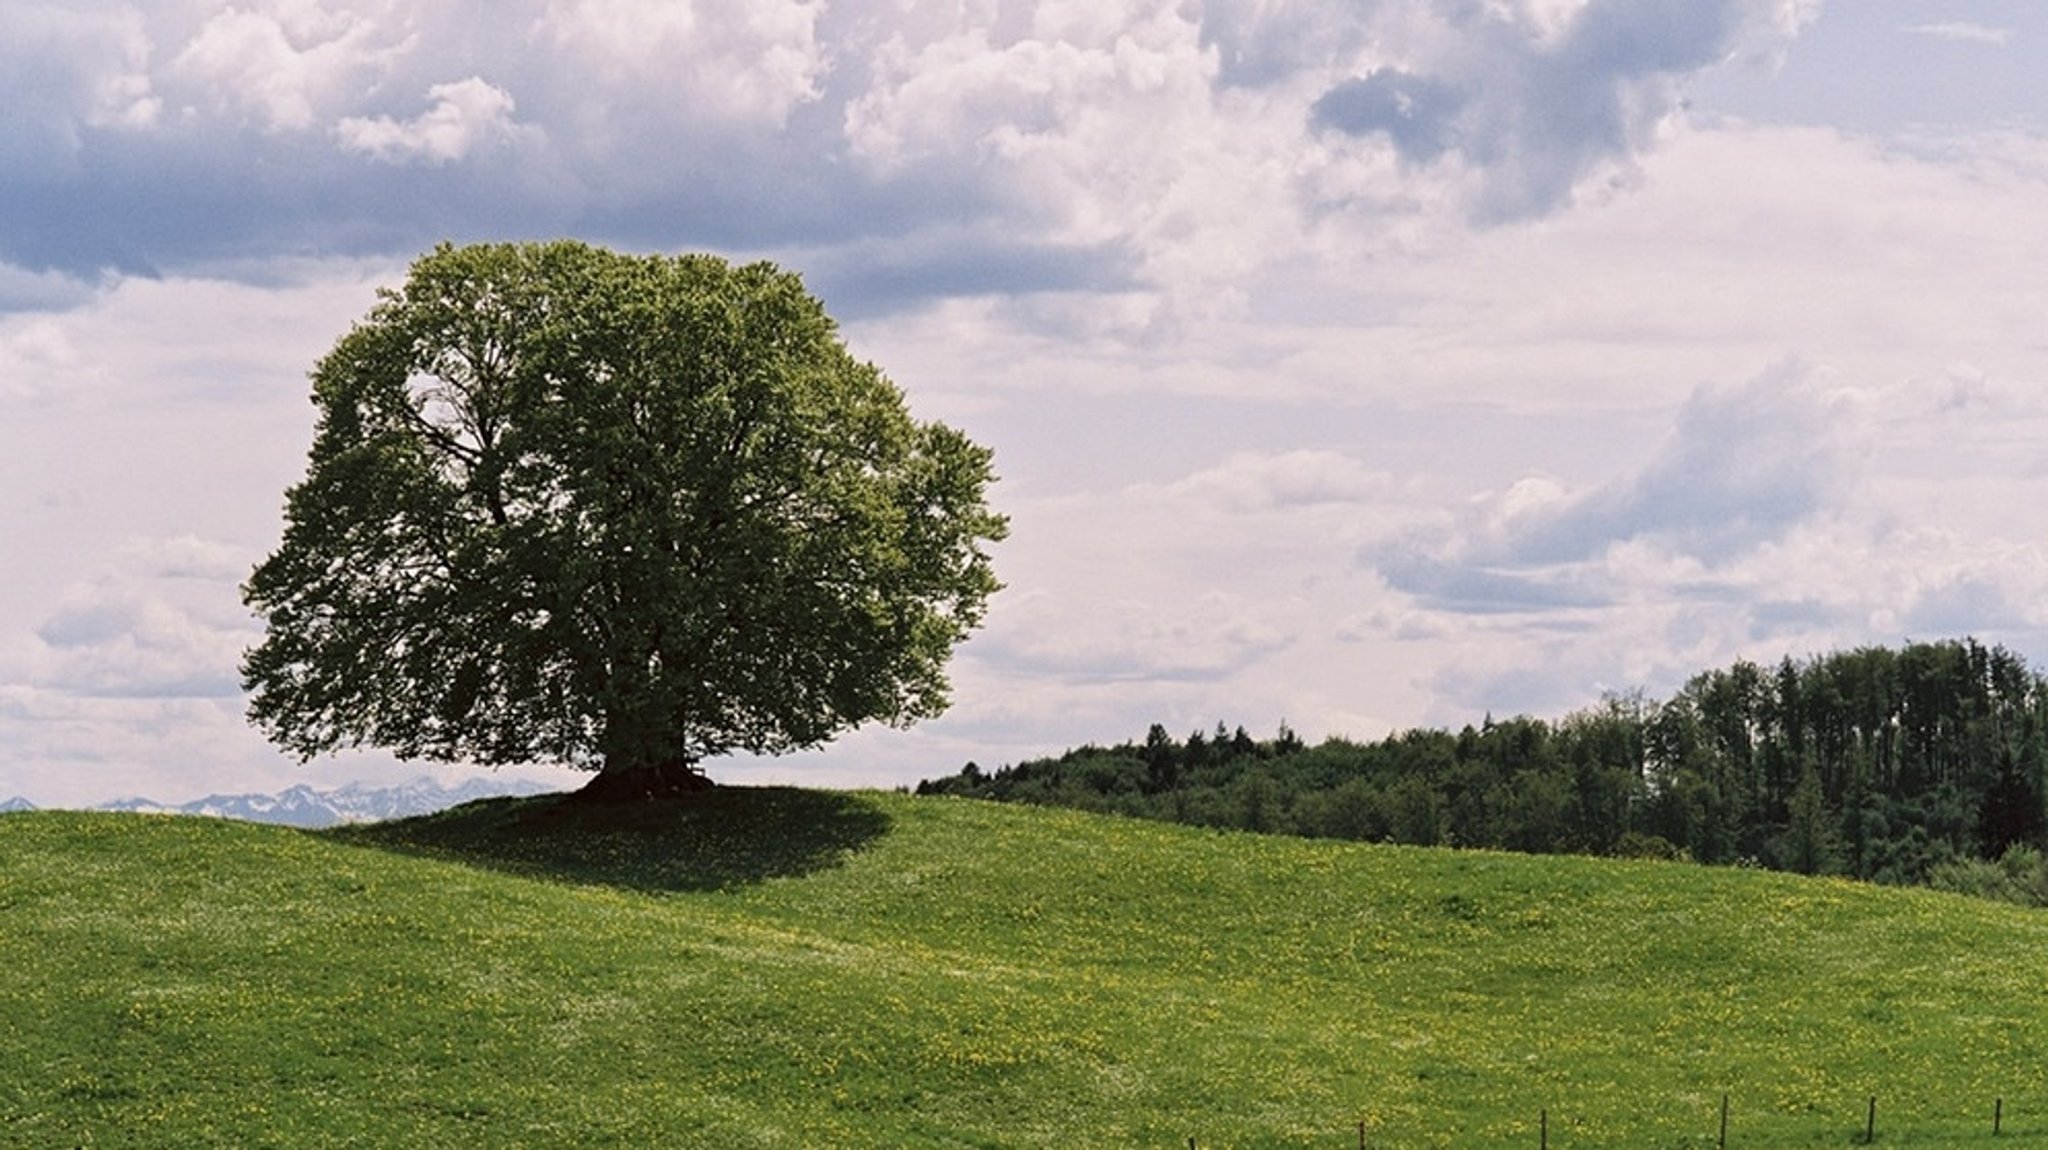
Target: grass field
x,y
782,968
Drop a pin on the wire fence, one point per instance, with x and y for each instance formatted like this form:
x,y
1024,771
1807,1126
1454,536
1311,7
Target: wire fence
x,y
1721,1135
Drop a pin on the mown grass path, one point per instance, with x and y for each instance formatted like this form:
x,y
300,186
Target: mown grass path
x,y
782,968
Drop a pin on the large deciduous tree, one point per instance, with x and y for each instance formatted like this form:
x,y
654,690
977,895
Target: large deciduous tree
x,y
619,512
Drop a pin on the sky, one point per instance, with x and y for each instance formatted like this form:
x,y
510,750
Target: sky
x,y
1355,365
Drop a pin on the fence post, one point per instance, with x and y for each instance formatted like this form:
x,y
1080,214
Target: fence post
x,y
1997,1116
1723,1143
1543,1128
1870,1123
1361,1134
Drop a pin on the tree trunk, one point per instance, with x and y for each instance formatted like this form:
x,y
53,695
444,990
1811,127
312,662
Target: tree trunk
x,y
644,784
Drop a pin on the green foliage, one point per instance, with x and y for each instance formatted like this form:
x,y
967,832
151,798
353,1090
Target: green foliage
x,y
927,973
575,506
2019,876
1880,764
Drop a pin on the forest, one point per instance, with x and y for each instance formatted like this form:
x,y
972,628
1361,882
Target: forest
x,y
1917,765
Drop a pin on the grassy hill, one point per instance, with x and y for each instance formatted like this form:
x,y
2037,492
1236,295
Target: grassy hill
x,y
797,969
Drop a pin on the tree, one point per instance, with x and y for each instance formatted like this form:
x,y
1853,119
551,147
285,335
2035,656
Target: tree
x,y
1809,845
622,513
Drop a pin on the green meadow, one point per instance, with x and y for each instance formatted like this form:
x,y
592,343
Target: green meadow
x,y
769,967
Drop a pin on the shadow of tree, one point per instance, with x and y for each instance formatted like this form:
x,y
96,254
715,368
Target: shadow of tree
x,y
714,840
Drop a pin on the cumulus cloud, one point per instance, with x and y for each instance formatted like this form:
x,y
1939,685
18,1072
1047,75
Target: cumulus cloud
x,y
1263,45
467,115
1031,115
1742,466
24,290
1153,154
159,619
283,67
1416,113
123,642
1532,100
65,72
1755,529
752,63
1202,275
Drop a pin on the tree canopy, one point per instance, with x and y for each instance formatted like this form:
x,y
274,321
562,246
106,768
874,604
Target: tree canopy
x,y
1928,763
624,513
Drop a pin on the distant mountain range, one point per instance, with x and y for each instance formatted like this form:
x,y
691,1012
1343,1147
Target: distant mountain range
x,y
303,806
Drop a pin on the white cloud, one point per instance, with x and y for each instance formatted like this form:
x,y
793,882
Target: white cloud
x,y
1982,600
1526,105
64,70
285,63
1105,639
33,352
467,115
120,642
186,557
1093,126
24,290
1742,467
1266,483
147,433
1548,595
748,64
159,619
1137,145
1621,307
1964,32
1222,352
120,91
1658,506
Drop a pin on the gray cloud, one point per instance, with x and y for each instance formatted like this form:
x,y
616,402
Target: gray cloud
x,y
164,139
1742,466
1313,295
23,290
1204,641
1258,43
112,644
868,277
1771,618
1476,589
1543,688
1969,604
155,144
1415,112
1537,110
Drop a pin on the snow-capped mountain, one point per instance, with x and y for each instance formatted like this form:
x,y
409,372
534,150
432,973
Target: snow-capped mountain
x,y
16,803
303,806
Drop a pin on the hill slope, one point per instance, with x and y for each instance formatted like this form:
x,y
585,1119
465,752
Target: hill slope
x,y
794,969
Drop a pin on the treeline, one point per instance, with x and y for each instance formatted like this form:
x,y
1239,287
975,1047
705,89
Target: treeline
x,y
1915,765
